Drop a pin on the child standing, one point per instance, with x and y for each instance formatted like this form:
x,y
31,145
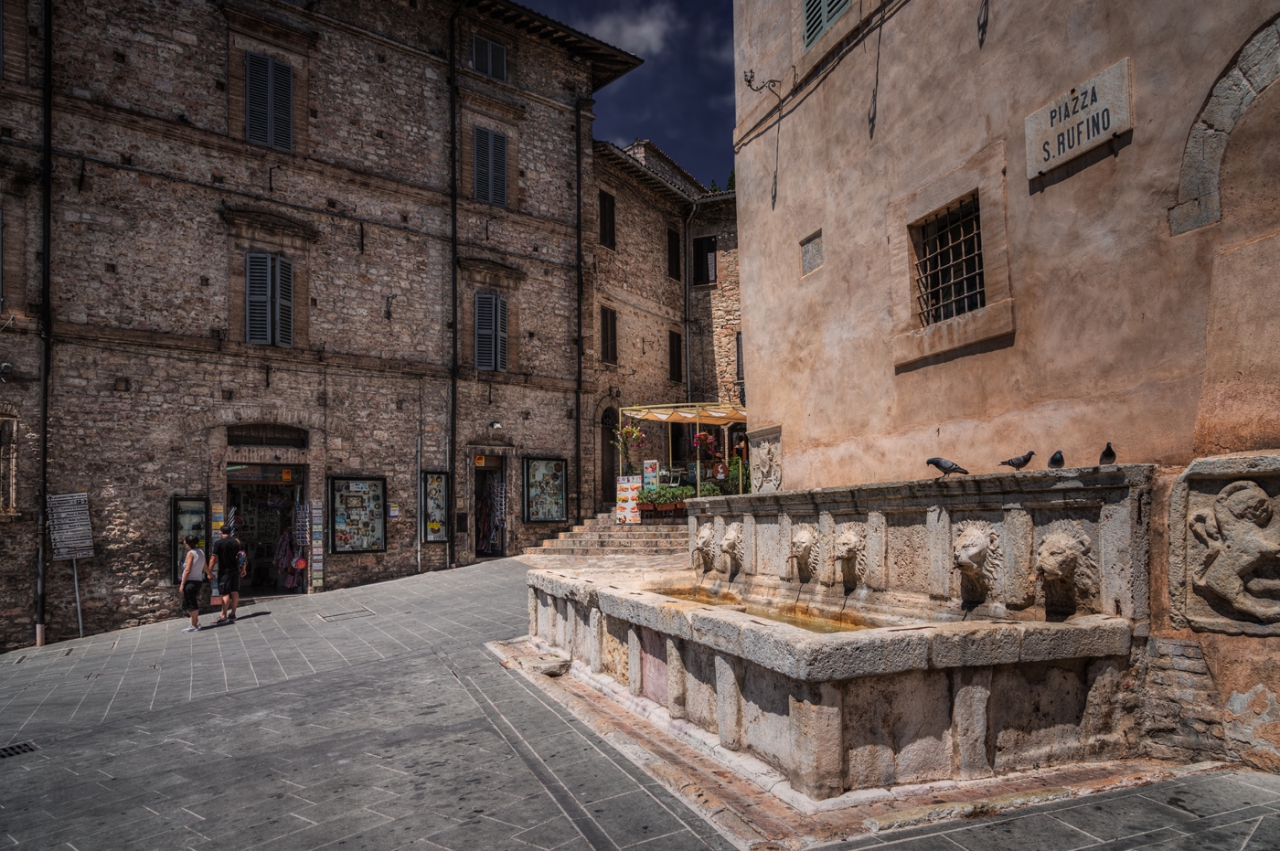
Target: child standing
x,y
193,576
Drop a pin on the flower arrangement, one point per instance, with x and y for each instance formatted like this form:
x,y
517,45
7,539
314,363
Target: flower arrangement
x,y
626,437
705,440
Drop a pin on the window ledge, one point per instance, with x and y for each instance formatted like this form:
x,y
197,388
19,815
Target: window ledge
x,y
994,320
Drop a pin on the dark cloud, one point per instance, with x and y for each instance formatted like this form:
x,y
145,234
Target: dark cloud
x,y
682,96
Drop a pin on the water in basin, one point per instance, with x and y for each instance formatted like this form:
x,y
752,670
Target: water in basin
x,y
787,614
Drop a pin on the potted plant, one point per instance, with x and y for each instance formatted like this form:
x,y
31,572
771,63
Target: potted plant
x,y
648,498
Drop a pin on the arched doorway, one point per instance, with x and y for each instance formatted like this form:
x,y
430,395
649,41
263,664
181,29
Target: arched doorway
x,y
608,458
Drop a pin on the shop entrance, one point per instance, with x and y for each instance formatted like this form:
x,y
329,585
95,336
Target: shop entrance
x,y
264,500
491,506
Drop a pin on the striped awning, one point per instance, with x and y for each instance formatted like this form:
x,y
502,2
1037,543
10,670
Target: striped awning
x,y
707,413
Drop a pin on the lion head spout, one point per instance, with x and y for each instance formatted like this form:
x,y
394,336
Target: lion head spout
x,y
978,554
1065,560
849,558
704,548
731,548
805,550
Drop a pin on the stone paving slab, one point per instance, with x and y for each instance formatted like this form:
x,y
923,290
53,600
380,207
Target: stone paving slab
x,y
391,726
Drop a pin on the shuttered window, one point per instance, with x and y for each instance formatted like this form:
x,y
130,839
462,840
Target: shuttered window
x,y
491,332
704,260
819,15
490,167
608,236
675,356
608,335
673,254
489,58
268,97
738,342
268,300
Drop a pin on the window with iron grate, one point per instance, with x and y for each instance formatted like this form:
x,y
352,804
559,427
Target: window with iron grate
x,y
948,262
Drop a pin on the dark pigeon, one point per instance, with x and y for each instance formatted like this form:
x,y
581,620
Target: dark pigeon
x,y
1108,456
947,467
1056,460
1019,462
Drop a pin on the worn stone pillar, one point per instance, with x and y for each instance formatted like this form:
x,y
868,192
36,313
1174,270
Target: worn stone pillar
x,y
941,561
533,610
595,655
546,617
635,661
729,700
817,740
675,679
562,623
969,717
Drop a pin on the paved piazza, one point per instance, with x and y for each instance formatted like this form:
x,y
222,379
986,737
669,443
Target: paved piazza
x,y
375,718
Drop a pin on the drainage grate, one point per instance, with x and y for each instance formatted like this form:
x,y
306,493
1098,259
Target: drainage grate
x,y
346,616
15,750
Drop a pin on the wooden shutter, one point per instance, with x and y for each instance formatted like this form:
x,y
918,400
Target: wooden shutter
x,y
486,331
482,159
710,258
608,234
675,366
284,303
608,335
498,168
257,291
257,98
502,334
480,55
281,106
819,15
738,343
497,62
673,254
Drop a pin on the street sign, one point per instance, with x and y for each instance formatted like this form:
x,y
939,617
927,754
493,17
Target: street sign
x,y
70,531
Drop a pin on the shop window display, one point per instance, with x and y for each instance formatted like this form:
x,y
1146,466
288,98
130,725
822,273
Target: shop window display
x,y
544,493
357,515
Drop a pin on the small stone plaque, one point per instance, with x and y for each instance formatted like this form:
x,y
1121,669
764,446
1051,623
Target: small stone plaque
x,y
1076,122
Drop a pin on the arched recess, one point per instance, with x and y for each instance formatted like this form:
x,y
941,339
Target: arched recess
x,y
1253,70
1239,406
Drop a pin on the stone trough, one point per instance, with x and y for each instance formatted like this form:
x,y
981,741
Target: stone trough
x,y
861,638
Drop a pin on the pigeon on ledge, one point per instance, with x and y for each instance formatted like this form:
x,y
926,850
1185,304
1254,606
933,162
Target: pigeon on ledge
x,y
1019,462
947,467
1108,456
1056,460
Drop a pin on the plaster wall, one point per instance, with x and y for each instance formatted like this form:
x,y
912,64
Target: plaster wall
x,y
1109,332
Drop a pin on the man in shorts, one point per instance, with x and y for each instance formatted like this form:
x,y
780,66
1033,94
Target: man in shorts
x,y
226,562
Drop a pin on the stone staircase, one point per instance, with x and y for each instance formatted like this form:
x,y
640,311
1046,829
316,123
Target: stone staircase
x,y
601,536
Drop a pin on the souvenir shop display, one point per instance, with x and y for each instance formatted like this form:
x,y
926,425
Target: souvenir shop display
x,y
357,515
435,488
544,490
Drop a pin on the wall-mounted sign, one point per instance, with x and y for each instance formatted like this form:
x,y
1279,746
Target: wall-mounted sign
x,y
436,511
69,530
1076,122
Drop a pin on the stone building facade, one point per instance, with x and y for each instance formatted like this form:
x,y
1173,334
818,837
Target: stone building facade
x,y
260,297
667,300
1050,227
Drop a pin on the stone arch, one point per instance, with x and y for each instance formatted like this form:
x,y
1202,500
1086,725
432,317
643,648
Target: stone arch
x,y
312,421
1251,71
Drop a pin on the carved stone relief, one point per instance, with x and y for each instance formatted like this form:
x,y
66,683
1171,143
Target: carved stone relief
x,y
704,549
766,460
732,550
806,552
1224,564
980,558
1066,564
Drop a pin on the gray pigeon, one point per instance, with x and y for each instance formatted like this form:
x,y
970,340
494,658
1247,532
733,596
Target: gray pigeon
x,y
947,467
1108,456
1019,462
1056,460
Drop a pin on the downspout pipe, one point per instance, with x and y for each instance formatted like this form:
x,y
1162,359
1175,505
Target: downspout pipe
x,y
577,404
46,319
451,556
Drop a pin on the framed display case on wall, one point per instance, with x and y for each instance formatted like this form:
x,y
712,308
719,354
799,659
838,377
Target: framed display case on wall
x,y
189,515
357,515
435,509
545,481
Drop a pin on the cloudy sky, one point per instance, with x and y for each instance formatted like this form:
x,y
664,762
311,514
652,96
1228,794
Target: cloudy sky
x,y
682,96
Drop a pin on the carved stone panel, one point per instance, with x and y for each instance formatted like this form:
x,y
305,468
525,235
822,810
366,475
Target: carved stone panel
x,y
1224,534
766,460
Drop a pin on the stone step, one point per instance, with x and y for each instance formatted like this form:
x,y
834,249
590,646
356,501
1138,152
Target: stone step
x,y
626,546
606,551
663,533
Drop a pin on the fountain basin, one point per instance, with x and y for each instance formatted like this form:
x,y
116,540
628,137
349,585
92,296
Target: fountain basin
x,y
896,698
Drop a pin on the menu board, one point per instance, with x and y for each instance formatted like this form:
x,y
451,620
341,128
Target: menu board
x,y
357,515
650,474
435,487
544,490
628,510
